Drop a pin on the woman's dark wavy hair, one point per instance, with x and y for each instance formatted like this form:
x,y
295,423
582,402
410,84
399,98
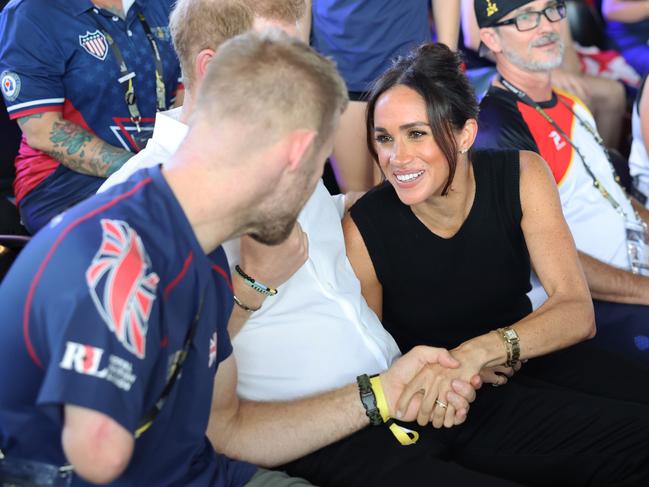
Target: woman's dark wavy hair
x,y
433,71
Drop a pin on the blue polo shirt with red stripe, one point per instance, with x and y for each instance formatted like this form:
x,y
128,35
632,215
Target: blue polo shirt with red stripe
x,y
364,37
95,312
54,57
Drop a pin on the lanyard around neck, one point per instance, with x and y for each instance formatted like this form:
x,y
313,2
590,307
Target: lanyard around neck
x,y
176,367
525,98
126,75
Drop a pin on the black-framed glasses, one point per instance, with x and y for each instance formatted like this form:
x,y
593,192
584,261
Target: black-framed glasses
x,y
531,20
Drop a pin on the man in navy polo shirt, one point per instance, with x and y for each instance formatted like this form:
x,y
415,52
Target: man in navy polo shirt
x,y
84,81
118,294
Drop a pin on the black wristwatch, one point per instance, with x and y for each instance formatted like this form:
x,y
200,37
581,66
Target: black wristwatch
x,y
369,400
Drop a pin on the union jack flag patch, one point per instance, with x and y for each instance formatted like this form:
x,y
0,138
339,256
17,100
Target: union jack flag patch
x,y
95,44
212,355
122,286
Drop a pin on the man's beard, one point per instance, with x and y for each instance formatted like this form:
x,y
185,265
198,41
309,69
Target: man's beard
x,y
537,66
274,231
275,225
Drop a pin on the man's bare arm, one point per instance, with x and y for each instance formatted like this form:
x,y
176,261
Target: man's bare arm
x,y
71,145
273,433
273,265
609,283
96,445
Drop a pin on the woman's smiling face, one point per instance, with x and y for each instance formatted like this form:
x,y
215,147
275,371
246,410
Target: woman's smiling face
x,y
407,152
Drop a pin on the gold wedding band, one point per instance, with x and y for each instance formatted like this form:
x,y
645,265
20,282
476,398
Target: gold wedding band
x,y
441,404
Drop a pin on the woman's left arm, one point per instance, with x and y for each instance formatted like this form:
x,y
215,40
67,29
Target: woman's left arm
x,y
567,316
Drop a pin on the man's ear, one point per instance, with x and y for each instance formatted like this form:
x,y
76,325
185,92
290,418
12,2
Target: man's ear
x,y
201,61
299,144
490,38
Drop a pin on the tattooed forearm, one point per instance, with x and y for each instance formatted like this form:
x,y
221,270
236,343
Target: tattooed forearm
x,y
69,136
113,158
82,152
22,121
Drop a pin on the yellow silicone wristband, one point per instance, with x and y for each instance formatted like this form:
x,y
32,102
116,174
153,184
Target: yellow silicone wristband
x,y
405,436
381,402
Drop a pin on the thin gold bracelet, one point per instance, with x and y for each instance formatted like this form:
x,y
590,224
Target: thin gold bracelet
x,y
244,307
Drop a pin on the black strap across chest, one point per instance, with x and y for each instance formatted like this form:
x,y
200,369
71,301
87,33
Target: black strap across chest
x,y
126,75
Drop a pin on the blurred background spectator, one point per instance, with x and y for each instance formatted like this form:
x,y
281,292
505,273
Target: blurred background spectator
x,y
639,158
605,97
84,80
627,26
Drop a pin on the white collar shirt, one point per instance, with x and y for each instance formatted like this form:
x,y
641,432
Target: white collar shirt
x,y
317,333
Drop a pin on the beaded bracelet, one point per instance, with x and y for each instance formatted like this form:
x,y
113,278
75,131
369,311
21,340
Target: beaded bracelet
x,y
256,285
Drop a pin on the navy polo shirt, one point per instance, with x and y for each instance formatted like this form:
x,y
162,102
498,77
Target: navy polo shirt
x,y
54,57
364,37
95,311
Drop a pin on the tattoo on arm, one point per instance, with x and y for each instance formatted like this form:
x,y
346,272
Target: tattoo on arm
x,y
113,158
22,121
69,136
80,151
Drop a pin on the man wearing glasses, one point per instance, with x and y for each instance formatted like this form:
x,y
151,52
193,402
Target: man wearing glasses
x,y
523,111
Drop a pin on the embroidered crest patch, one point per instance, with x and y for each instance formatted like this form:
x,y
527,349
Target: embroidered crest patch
x,y
95,44
10,85
122,286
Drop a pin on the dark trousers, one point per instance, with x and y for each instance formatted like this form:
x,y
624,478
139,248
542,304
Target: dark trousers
x,y
576,418
623,328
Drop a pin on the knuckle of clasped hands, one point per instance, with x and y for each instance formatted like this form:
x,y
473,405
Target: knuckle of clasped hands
x,y
444,396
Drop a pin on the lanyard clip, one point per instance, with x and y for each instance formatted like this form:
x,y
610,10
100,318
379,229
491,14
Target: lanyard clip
x,y
136,121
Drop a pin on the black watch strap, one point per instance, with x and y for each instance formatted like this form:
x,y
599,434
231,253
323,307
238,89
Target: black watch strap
x,y
369,400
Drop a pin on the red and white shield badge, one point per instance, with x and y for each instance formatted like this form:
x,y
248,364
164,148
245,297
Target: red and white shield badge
x,y
95,44
122,286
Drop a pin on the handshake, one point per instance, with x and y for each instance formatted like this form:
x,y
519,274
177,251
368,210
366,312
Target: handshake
x,y
433,385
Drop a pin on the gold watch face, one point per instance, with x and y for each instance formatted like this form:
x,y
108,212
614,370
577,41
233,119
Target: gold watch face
x,y
511,335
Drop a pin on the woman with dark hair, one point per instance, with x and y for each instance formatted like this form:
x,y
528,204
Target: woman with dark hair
x,y
443,250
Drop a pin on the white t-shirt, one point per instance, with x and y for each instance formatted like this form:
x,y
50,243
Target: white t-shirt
x,y
639,156
597,228
317,333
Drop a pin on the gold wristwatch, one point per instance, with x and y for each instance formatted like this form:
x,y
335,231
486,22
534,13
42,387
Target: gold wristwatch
x,y
512,344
